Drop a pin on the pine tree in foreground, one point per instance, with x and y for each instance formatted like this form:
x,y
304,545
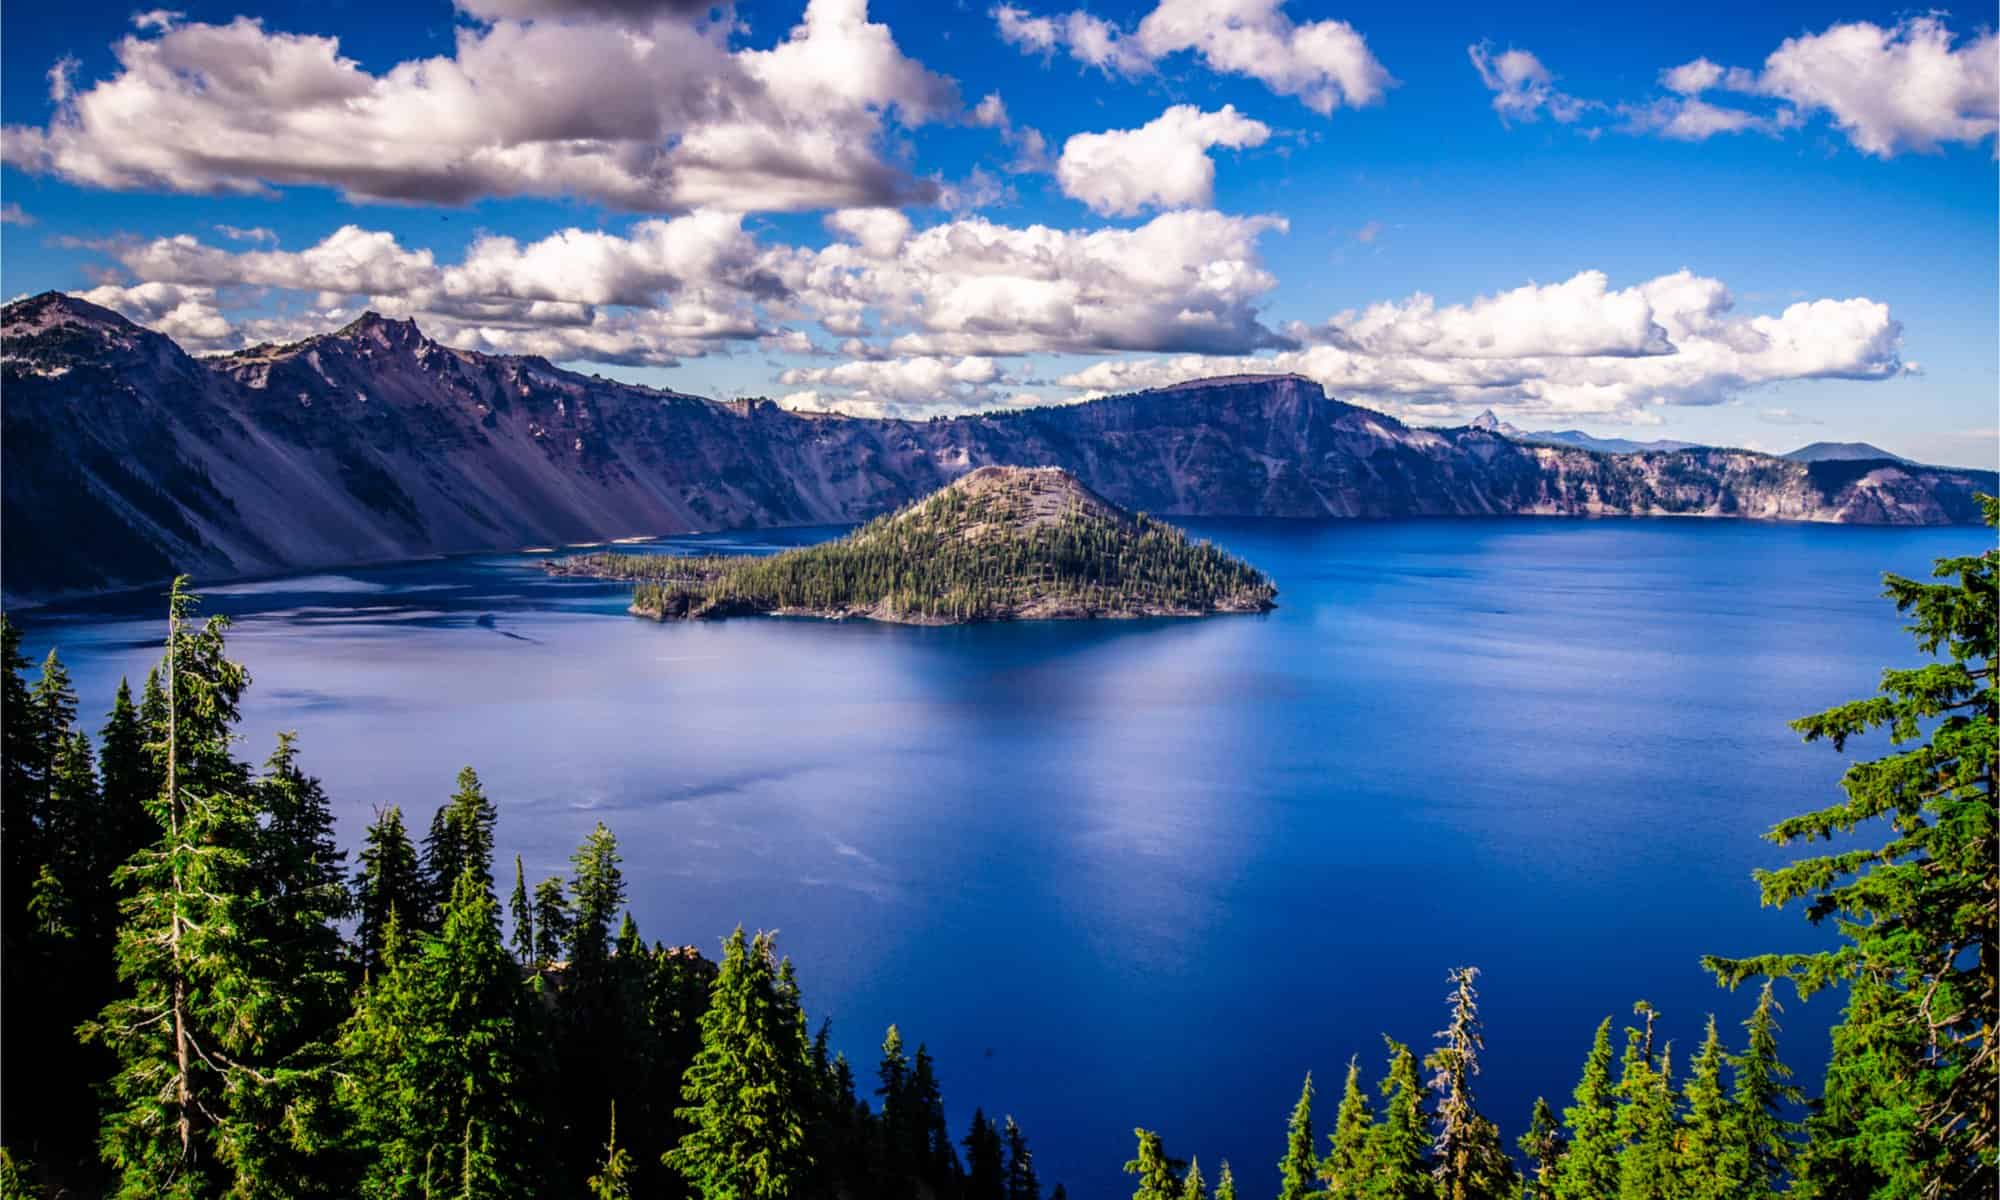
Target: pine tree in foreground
x,y
1344,1170
187,960
520,911
1194,1187
1298,1170
1021,1181
1158,1178
1589,1169
1758,1150
460,840
1703,1159
750,1087
1471,1164
596,893
1544,1145
1912,1099
610,1182
435,1054
1225,1183
985,1168
1399,1167
390,887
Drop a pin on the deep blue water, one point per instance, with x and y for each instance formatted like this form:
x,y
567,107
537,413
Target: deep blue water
x,y
1128,873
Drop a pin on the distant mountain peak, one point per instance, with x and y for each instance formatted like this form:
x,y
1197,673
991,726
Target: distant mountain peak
x,y
50,309
372,326
1841,452
1490,422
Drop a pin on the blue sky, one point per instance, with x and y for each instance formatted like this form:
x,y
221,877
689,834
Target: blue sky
x,y
851,223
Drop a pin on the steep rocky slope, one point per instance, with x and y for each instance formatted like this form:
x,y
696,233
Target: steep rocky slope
x,y
123,459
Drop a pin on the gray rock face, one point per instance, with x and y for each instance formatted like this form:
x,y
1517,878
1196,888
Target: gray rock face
x,y
124,460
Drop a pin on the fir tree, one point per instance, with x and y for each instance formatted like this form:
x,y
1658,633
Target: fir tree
x,y
1589,1169
1298,1170
1758,1147
1704,1158
1471,1164
1021,1181
460,840
390,886
552,921
1345,1167
1396,1153
596,892
523,916
435,1059
1544,1144
1225,1183
1913,1090
128,779
985,1165
932,1148
186,955
893,1087
299,868
1194,1187
610,1182
748,1090
1158,1180
1645,1121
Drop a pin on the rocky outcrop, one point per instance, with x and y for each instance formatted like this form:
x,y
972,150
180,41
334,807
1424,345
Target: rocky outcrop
x,y
127,460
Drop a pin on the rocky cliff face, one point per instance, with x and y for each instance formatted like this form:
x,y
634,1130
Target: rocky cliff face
x,y
124,460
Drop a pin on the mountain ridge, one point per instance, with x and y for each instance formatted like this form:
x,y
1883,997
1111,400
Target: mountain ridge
x,y
124,460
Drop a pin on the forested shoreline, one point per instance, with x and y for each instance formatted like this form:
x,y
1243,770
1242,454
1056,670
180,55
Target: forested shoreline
x,y
200,998
998,544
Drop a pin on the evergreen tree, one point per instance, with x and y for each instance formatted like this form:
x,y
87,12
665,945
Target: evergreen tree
x,y
187,955
936,1156
523,915
1589,1169
20,772
460,840
1704,1156
390,886
1758,1147
1544,1145
1021,1181
129,779
597,892
1225,1184
1471,1164
434,1060
1158,1180
1396,1153
1913,1090
1345,1167
610,1182
1298,1170
897,1123
749,1089
552,921
1194,1187
300,871
985,1164
1645,1122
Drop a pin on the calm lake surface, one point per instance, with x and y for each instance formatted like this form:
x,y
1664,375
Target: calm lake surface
x,y
1141,873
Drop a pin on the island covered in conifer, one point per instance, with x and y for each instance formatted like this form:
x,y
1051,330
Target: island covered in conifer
x,y
1001,543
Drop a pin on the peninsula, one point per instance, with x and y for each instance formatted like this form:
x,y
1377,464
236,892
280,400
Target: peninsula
x,y
998,544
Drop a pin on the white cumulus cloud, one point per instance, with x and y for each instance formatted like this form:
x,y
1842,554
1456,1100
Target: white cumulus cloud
x,y
1162,164
1325,64
664,117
